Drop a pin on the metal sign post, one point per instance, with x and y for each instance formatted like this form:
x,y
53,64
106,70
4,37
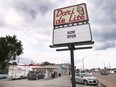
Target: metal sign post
x,y
71,47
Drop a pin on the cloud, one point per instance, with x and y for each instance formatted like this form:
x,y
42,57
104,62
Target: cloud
x,y
13,18
27,20
105,45
105,36
24,60
102,19
33,8
2,23
32,22
103,12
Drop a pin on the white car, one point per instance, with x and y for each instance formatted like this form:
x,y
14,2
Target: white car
x,y
86,79
3,75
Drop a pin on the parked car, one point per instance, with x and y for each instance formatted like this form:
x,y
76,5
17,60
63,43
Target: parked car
x,y
86,79
3,75
35,75
82,71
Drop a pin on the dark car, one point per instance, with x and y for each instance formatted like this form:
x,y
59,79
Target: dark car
x,y
35,75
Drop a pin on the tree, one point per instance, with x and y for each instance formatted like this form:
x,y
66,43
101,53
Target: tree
x,y
10,48
47,63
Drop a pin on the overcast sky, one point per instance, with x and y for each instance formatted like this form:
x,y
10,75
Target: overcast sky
x,y
32,22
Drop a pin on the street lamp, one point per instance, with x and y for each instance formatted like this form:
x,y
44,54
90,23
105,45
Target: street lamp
x,y
83,61
104,64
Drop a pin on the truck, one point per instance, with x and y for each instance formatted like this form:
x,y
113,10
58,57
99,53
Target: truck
x,y
104,71
17,71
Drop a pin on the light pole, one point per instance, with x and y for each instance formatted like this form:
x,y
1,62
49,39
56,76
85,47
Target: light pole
x,y
104,64
83,61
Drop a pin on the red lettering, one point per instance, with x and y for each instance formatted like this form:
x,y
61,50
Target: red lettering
x,y
76,18
72,11
59,13
67,16
60,21
70,19
82,17
63,13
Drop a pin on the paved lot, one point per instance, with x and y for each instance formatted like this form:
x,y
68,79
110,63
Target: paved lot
x,y
57,82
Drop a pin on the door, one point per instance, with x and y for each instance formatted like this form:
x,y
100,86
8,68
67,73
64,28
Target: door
x,y
78,78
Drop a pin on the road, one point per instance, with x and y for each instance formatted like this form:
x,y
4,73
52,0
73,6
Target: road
x,y
63,81
107,80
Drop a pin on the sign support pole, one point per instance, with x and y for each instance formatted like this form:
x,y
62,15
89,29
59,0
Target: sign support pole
x,y
71,47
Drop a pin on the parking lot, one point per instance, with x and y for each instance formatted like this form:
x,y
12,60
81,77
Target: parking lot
x,y
63,81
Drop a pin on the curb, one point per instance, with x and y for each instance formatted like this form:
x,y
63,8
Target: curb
x,y
103,85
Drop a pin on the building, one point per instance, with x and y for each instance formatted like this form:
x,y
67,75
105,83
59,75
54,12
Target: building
x,y
50,71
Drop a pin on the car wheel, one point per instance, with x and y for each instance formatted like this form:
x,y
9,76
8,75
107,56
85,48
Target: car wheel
x,y
85,82
21,77
36,78
29,79
71,79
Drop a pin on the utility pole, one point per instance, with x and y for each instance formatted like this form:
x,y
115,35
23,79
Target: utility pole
x,y
104,64
83,61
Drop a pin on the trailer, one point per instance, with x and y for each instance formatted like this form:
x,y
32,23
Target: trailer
x,y
18,71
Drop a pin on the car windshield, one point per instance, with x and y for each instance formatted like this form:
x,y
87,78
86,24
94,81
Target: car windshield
x,y
83,71
86,75
32,72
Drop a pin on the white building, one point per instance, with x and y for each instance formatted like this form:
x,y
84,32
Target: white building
x,y
50,71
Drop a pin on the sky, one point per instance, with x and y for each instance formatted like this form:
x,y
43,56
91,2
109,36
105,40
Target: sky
x,y
32,22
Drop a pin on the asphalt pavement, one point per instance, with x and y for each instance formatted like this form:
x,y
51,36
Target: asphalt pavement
x,y
106,80
63,81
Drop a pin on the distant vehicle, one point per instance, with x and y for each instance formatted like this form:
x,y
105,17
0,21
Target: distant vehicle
x,y
35,75
82,71
104,71
17,71
3,75
86,79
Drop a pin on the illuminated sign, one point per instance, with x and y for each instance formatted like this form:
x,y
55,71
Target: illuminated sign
x,y
71,14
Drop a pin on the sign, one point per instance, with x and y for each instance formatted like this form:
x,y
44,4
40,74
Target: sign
x,y
71,14
73,34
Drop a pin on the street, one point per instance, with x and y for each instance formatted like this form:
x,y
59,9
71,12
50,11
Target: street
x,y
63,81
108,80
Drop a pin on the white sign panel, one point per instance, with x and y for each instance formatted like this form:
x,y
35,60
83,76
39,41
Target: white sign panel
x,y
71,14
74,34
